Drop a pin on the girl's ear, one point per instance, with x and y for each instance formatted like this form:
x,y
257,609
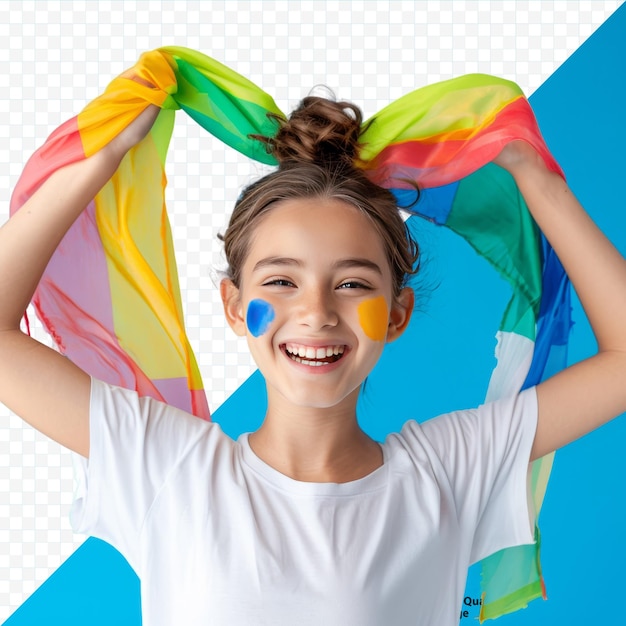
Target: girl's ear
x,y
400,314
233,309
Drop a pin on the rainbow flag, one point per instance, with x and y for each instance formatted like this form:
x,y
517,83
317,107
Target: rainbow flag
x,y
110,296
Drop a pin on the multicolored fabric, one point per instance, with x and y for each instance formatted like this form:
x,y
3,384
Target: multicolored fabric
x,y
110,296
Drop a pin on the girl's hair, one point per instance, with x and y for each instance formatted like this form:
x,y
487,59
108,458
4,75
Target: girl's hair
x,y
316,149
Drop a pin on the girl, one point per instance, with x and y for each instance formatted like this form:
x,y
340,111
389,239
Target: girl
x,y
308,520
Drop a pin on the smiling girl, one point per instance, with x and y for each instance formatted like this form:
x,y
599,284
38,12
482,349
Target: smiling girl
x,y
308,520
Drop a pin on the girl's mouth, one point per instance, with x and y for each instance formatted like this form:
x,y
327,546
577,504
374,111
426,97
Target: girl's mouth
x,y
313,356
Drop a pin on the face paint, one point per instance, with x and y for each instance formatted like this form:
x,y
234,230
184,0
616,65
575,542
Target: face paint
x,y
374,318
259,316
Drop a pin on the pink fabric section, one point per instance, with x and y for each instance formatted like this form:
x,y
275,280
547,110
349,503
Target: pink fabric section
x,y
62,147
171,389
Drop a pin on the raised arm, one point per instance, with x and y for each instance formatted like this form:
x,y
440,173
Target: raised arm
x,y
37,383
592,392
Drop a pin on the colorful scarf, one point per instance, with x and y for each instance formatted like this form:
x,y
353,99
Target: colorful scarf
x,y
110,296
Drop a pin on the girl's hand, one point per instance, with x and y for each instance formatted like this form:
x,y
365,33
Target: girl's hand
x,y
135,131
518,155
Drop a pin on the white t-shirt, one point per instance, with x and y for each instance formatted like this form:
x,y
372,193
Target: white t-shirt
x,y
218,537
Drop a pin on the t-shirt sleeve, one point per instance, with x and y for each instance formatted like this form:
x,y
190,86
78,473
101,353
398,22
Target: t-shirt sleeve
x,y
484,455
134,444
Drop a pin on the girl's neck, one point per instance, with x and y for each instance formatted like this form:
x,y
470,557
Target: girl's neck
x,y
316,444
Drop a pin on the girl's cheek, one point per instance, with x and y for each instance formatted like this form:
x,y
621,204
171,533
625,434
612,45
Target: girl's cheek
x,y
374,318
259,316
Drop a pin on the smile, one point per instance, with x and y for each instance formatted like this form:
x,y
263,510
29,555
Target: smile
x,y
313,356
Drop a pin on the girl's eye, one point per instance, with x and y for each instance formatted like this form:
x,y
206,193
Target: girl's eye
x,y
353,284
278,282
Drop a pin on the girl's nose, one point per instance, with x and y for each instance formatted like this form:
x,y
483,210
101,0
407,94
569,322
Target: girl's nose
x,y
317,310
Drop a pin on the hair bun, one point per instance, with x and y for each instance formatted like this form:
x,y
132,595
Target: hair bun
x,y
320,131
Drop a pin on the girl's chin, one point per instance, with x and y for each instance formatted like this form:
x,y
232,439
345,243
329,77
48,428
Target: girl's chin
x,y
312,398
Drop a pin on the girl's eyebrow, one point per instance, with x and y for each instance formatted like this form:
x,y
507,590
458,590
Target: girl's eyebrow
x,y
341,264
276,260
358,263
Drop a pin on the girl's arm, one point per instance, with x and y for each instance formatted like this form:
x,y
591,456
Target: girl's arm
x,y
44,388
590,393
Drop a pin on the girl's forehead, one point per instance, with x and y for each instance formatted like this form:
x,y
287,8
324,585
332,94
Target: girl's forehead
x,y
331,226
330,214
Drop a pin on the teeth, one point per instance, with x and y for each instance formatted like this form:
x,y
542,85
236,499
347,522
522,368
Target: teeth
x,y
306,354
311,363
310,352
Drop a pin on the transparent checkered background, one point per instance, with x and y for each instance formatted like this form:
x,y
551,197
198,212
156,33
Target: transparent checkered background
x,y
56,56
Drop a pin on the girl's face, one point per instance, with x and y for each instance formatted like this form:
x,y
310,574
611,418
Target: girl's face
x,y
315,301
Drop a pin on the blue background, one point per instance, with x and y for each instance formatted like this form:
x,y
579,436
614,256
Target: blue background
x,y
452,340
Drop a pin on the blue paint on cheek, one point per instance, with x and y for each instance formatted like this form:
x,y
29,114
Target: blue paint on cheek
x,y
259,316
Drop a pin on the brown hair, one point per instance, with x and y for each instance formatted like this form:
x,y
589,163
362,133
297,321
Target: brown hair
x,y
316,149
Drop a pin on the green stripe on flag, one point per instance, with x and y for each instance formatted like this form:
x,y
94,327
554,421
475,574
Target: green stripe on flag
x,y
490,214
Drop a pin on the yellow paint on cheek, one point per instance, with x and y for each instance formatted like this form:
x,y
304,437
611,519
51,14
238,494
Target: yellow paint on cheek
x,y
374,318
